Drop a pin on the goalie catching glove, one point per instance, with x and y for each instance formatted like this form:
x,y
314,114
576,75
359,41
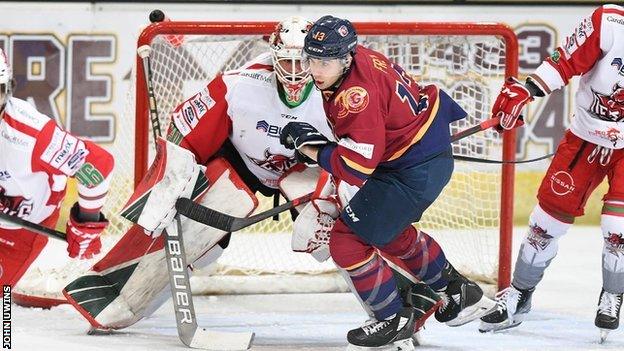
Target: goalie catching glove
x,y
83,238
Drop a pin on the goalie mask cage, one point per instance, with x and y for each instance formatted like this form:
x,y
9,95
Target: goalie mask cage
x,y
472,219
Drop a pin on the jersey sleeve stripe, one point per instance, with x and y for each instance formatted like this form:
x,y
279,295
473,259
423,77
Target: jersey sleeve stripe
x,y
356,166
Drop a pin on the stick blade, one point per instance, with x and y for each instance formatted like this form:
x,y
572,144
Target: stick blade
x,y
223,341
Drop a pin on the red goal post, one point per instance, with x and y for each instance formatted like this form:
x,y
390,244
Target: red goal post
x,y
373,29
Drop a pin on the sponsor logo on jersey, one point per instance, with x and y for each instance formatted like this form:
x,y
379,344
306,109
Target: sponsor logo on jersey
x,y
352,100
4,175
617,63
615,243
617,20
612,134
66,151
257,76
188,113
562,183
287,116
77,159
538,237
581,33
269,129
608,107
15,139
276,163
363,149
19,206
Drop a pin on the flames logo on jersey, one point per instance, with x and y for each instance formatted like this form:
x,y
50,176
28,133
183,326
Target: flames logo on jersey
x,y
352,100
274,162
615,243
609,107
15,205
538,237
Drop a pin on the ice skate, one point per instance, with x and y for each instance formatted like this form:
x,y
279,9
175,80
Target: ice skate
x,y
608,314
512,305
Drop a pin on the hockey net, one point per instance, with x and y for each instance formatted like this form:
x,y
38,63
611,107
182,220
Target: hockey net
x,y
471,219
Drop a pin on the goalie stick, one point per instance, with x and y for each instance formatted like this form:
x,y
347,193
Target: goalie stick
x,y
225,222
188,331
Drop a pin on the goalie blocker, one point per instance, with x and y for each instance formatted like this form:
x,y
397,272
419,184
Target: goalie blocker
x,y
131,281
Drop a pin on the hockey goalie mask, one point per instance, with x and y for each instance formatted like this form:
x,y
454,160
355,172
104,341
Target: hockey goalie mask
x,y
286,47
5,80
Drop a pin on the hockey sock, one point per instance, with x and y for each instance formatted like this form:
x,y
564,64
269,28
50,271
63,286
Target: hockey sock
x,y
375,284
421,254
538,248
612,251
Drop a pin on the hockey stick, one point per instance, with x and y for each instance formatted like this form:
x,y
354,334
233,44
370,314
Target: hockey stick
x,y
51,233
487,124
485,160
223,221
188,331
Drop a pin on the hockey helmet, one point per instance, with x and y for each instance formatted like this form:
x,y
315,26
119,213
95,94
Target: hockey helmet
x,y
330,38
286,45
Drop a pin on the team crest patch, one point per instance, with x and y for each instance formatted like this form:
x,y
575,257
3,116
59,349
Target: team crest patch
x,y
352,100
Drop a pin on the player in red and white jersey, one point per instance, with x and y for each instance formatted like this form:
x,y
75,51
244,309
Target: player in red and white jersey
x,y
591,150
36,159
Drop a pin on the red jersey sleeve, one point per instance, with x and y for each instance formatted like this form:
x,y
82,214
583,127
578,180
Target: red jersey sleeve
x,y
201,124
577,54
61,154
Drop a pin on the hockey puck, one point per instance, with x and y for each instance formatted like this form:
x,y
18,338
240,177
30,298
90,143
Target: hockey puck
x,y
157,16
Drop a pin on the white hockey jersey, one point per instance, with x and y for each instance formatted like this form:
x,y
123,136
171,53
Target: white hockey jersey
x,y
244,106
596,52
37,157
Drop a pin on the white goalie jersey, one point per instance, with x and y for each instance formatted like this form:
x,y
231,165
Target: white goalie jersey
x,y
245,106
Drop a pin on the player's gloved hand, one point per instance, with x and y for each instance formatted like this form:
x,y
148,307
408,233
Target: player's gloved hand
x,y
83,238
297,134
509,103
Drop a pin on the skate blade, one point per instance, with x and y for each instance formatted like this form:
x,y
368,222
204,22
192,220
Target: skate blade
x,y
98,331
470,313
401,345
603,335
498,327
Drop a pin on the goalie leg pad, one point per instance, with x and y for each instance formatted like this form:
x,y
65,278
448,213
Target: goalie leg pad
x,y
173,174
137,267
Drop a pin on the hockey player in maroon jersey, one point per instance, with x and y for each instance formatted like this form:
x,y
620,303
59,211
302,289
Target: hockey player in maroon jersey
x,y
394,142
590,151
36,159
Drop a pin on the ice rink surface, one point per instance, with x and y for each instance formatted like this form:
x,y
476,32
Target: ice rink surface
x,y
562,317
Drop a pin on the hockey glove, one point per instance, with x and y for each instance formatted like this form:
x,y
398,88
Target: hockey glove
x,y
83,238
297,134
509,103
